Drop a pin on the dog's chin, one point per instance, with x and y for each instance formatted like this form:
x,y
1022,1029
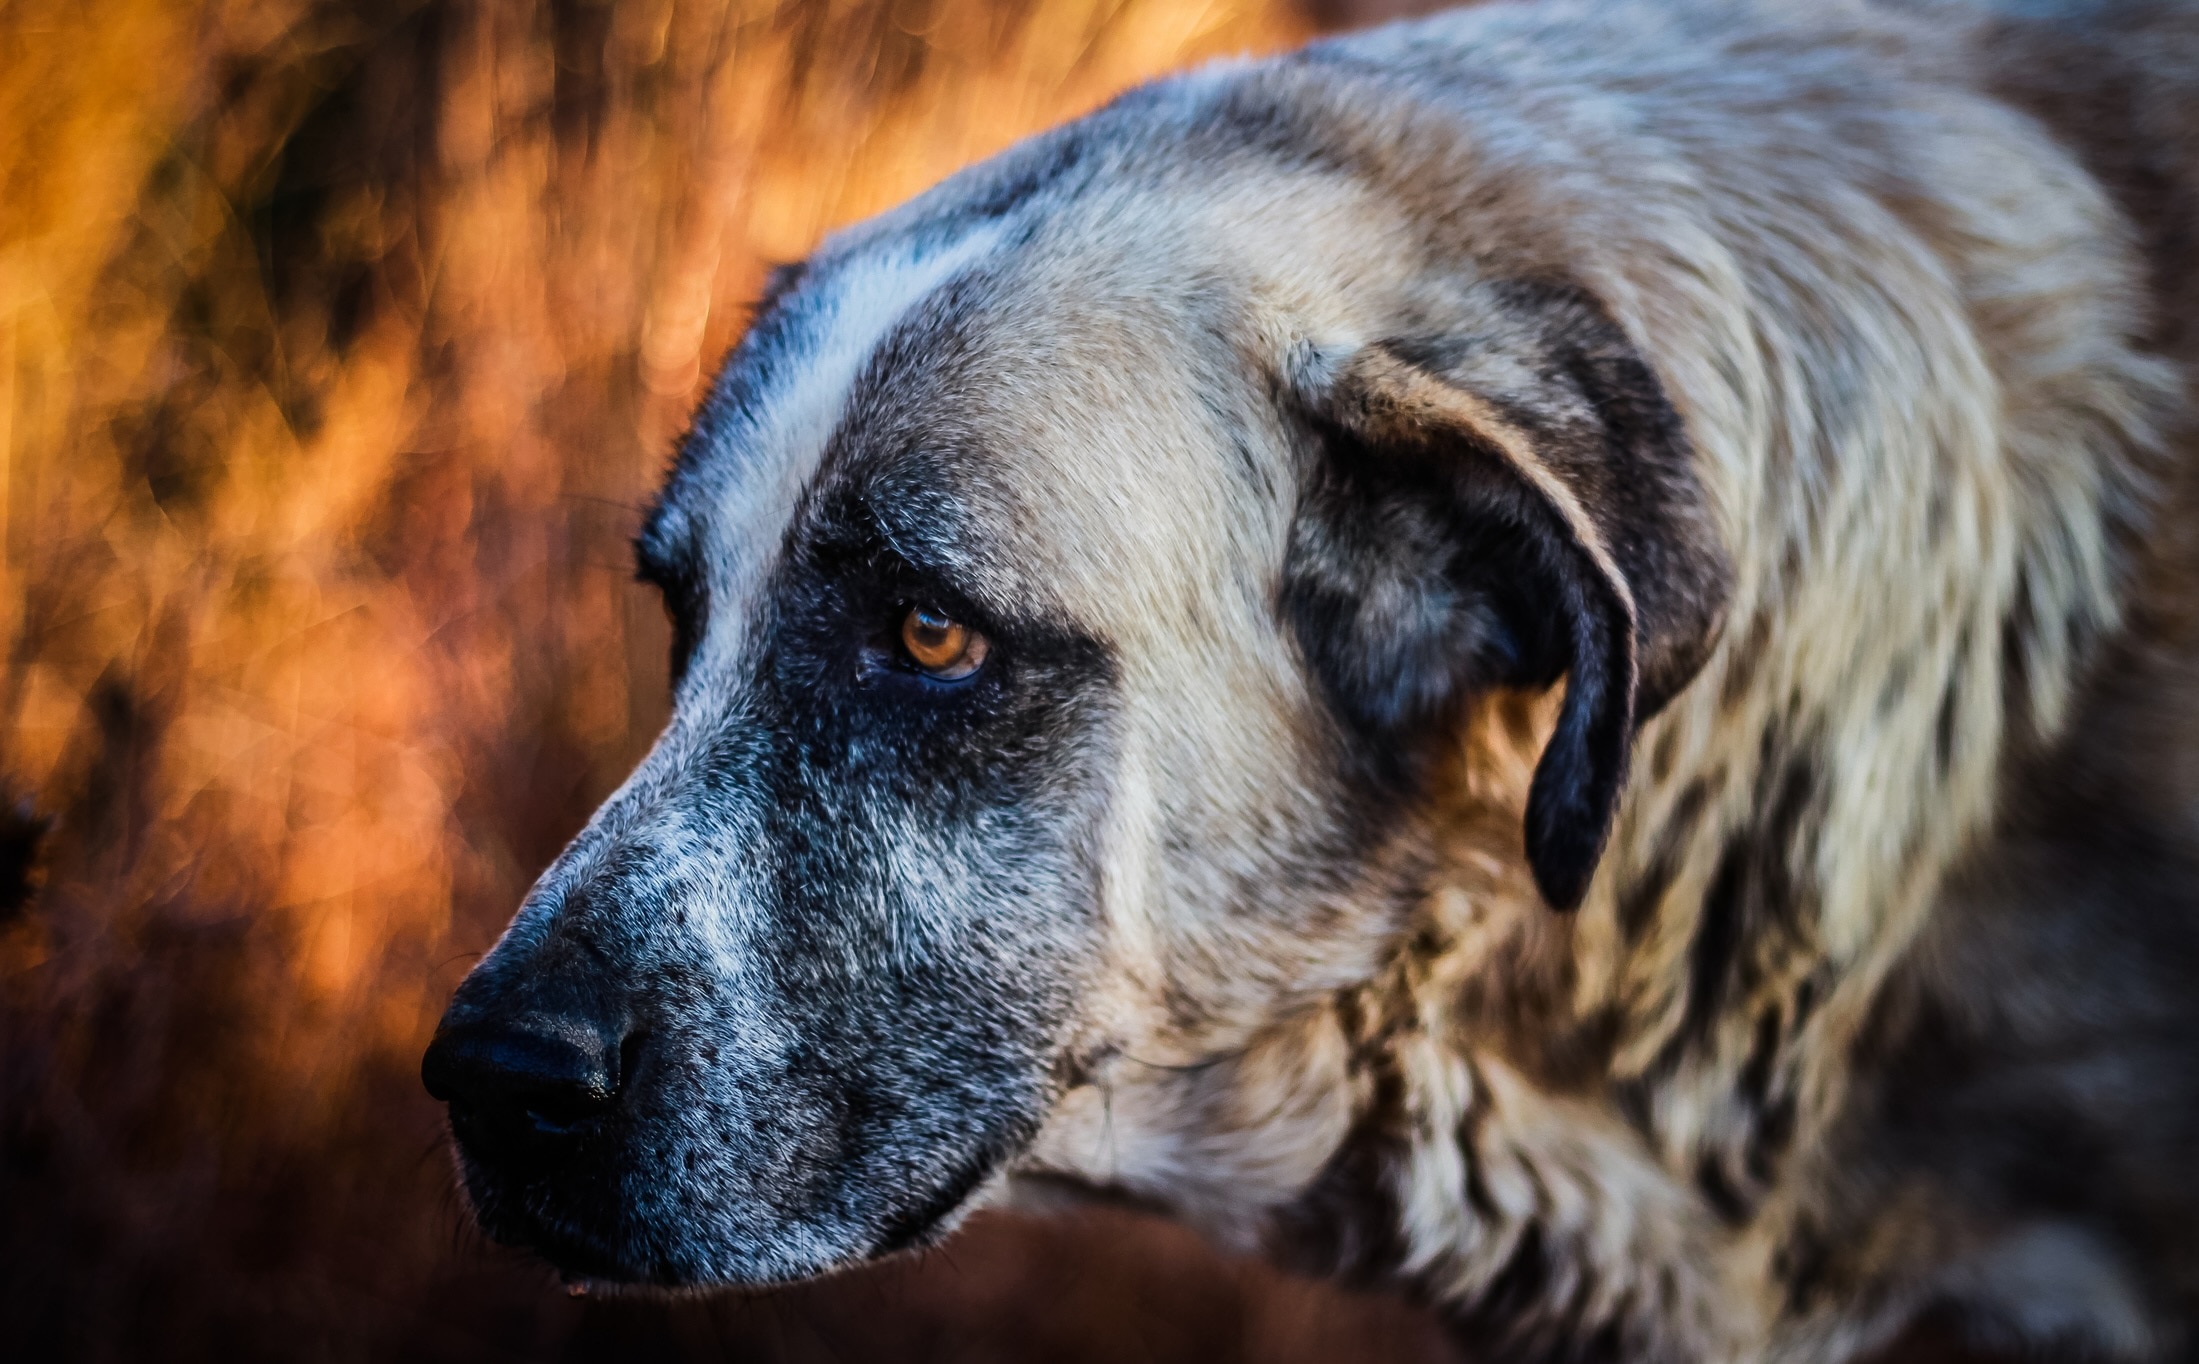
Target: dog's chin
x,y
648,1258
612,1249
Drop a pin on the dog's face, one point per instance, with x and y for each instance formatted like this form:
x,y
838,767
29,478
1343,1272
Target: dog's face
x,y
1070,587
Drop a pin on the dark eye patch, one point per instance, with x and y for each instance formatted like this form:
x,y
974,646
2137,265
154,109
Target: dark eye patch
x,y
855,710
842,611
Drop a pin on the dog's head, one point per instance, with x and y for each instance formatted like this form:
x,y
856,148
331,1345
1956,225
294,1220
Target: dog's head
x,y
1077,578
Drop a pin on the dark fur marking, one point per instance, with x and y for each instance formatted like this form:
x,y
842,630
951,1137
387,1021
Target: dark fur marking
x,y
1039,165
1752,914
1347,1221
2015,663
1771,1127
1478,1195
1730,1204
1639,900
1743,660
1755,891
1713,954
1769,1138
1492,1320
1632,1099
1943,729
1754,1081
1516,1317
1803,1262
1250,121
1250,465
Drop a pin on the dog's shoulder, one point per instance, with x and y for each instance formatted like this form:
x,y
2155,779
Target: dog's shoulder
x,y
2119,85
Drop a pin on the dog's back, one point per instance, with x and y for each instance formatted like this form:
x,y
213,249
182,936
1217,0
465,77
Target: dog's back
x,y
2027,1123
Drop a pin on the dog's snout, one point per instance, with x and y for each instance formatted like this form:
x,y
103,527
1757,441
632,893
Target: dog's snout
x,y
534,1073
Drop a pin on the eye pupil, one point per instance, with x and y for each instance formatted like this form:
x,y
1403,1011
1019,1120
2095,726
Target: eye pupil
x,y
930,626
940,645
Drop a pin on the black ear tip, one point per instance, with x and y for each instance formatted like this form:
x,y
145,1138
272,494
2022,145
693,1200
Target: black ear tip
x,y
1562,881
1565,840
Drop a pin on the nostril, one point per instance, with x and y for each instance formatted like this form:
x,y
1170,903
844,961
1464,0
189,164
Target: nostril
x,y
555,1072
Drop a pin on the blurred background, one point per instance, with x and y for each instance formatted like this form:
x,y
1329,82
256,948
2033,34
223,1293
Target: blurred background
x,y
340,344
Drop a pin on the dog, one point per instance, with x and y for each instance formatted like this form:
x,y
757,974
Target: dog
x,y
1545,655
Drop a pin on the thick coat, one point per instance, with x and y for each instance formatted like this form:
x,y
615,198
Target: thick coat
x,y
1585,631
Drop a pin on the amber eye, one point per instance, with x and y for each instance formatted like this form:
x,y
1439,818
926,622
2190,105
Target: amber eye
x,y
942,646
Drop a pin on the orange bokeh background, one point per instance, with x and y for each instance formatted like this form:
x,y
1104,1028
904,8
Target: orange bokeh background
x,y
339,345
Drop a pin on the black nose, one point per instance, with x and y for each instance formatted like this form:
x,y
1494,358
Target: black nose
x,y
537,1074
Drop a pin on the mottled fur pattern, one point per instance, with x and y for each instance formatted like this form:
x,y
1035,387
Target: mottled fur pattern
x,y
1594,627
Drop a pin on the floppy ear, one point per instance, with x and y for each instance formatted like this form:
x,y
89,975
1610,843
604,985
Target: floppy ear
x,y
1500,506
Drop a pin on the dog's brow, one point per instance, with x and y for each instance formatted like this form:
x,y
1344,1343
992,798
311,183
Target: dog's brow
x,y
923,541
919,541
